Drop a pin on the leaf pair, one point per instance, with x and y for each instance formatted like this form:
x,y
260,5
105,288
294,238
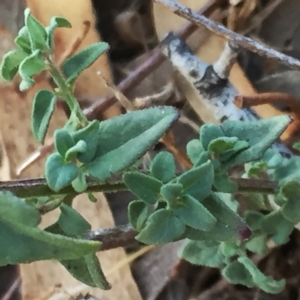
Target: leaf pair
x,y
86,268
25,242
273,224
229,226
243,271
182,209
105,148
33,42
237,142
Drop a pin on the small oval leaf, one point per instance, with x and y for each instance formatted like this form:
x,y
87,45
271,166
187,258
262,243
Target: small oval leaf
x,y
161,227
163,166
138,212
58,173
37,33
42,110
192,213
30,66
63,141
145,187
10,64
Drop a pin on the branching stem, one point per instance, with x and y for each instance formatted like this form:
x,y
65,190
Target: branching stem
x,y
37,187
67,93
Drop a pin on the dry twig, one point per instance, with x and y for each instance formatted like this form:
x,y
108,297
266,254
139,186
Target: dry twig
x,y
238,39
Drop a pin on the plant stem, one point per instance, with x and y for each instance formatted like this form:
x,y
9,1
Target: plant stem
x,y
67,93
37,187
111,238
221,30
33,188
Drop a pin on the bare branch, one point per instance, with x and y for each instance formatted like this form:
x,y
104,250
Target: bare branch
x,y
221,30
154,61
37,187
214,91
111,238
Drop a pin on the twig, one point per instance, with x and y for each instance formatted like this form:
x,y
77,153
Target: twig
x,y
111,238
36,156
124,101
12,289
154,61
37,187
74,45
221,30
226,60
244,101
214,91
261,16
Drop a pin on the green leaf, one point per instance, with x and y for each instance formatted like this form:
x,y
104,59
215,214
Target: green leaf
x,y
220,232
256,201
37,33
296,146
22,40
18,210
224,184
288,170
96,272
255,169
238,147
229,249
202,253
80,61
291,209
266,283
161,227
87,268
194,176
273,158
236,273
55,22
253,219
134,134
222,144
227,216
259,134
79,184
10,64
171,192
145,187
63,141
138,212
275,224
89,134
163,166
194,149
42,110
71,222
58,173
258,244
229,200
209,132
25,242
192,213
30,66
88,271
91,197
79,148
